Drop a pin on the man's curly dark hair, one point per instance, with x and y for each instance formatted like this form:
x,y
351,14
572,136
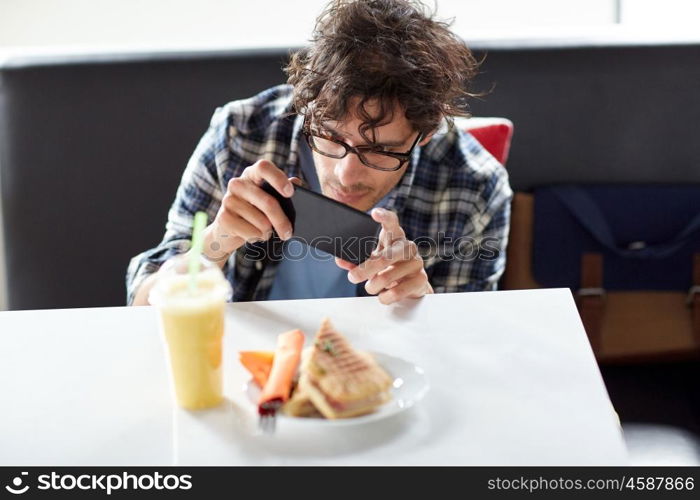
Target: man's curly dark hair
x,y
388,50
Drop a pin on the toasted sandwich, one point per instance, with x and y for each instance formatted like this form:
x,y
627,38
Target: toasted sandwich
x,y
300,405
339,381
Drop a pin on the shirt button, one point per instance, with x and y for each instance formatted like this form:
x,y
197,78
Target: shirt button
x,y
258,265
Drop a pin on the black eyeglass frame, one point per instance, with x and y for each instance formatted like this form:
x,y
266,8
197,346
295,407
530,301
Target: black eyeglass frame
x,y
358,150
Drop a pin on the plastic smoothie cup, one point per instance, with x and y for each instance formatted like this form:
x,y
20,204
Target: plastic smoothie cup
x,y
191,310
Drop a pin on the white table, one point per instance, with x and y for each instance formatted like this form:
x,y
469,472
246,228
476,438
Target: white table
x,y
513,382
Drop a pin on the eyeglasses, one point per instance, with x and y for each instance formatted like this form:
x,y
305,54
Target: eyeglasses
x,y
370,156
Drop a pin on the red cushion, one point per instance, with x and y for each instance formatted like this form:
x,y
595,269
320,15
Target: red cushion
x,y
493,133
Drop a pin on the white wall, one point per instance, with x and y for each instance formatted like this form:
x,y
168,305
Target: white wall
x,y
246,22
670,14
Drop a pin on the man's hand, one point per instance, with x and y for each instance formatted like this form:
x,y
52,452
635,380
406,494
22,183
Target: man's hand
x,y
395,269
248,213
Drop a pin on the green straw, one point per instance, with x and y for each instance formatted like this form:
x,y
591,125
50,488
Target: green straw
x,y
200,222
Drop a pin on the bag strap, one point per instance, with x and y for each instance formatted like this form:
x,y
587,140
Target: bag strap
x,y
589,215
590,298
695,298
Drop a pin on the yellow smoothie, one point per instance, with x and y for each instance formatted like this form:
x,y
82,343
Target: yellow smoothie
x,y
193,326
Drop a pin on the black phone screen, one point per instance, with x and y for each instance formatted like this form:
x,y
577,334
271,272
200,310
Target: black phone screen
x,y
329,225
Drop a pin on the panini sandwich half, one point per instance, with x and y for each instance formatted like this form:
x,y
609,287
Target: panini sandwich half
x,y
340,381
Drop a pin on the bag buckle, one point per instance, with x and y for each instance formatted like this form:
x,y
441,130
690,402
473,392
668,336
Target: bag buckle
x,y
694,290
593,292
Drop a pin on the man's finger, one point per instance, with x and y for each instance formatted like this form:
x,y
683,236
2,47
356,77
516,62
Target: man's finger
x,y
399,251
263,170
251,214
344,264
241,227
268,205
392,274
391,229
415,286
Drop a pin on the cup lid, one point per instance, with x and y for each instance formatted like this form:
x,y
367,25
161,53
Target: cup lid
x,y
173,282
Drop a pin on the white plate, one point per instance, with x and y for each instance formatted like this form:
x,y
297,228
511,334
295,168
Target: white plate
x,y
409,387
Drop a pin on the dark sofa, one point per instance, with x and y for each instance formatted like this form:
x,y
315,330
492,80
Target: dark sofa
x,y
93,147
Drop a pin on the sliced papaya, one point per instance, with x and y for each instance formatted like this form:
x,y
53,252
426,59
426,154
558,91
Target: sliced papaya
x,y
258,363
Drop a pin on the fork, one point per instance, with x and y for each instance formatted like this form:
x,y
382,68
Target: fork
x,y
267,412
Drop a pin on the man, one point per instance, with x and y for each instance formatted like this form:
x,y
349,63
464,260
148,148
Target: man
x,y
365,119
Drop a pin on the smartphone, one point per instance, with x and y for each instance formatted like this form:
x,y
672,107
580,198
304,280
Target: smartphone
x,y
328,225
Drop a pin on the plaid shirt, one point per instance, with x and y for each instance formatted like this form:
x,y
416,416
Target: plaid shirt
x,y
453,200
